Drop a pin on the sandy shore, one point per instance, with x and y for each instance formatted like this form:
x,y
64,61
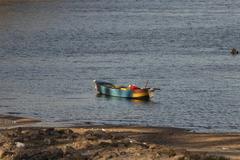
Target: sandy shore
x,y
112,142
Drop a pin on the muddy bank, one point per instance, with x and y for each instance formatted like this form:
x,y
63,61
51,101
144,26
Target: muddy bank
x,y
113,142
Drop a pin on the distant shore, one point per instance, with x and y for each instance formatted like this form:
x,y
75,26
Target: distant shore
x,y
114,142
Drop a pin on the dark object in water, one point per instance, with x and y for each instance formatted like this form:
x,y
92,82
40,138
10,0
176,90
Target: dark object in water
x,y
234,51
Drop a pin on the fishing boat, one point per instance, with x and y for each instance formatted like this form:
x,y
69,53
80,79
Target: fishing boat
x,y
130,91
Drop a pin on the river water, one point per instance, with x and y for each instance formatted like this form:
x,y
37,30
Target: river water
x,y
50,51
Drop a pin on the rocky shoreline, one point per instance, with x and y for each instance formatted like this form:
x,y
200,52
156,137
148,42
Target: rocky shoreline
x,y
113,142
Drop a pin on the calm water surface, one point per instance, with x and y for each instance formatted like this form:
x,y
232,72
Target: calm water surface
x,y
50,51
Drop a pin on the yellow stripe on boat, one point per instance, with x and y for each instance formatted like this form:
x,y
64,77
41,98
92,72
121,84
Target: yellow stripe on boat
x,y
141,94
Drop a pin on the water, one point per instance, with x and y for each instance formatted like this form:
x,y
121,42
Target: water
x,y
50,51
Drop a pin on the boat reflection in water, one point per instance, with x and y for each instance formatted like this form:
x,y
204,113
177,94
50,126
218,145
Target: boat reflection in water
x,y
135,101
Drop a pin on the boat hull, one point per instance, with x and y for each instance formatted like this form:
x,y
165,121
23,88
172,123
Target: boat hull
x,y
109,90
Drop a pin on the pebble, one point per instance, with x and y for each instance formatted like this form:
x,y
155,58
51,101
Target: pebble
x,y
20,145
47,141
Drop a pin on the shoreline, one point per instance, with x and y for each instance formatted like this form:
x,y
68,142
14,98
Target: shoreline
x,y
11,121
173,143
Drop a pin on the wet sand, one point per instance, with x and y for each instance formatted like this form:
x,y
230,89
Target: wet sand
x,y
9,121
112,142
